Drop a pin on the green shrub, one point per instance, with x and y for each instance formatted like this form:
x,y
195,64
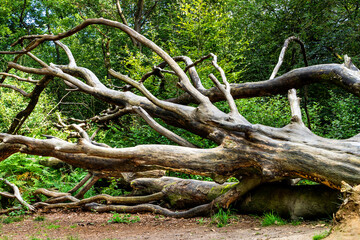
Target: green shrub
x,y
272,219
123,218
222,218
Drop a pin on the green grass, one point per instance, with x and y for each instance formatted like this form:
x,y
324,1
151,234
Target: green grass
x,y
201,221
39,218
52,226
222,218
11,219
321,235
72,238
272,219
123,218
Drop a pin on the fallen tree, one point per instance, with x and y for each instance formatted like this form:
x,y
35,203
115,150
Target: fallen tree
x,y
254,154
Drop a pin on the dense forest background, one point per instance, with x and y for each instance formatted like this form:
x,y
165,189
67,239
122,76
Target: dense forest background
x,y
246,35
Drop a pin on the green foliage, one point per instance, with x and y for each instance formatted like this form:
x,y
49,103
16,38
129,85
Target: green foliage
x,y
113,189
28,175
11,219
321,235
307,182
19,212
272,219
336,115
187,176
39,218
123,218
52,226
272,111
222,217
201,221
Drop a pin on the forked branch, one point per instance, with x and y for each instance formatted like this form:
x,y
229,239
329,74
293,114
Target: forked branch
x,y
16,194
162,130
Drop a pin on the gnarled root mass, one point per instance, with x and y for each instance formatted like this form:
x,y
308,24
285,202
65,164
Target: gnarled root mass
x,y
347,219
199,198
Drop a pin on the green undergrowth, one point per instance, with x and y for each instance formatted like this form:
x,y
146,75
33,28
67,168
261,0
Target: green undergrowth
x,y
124,218
321,235
272,219
222,217
28,175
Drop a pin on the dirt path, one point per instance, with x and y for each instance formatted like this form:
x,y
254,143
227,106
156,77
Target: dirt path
x,y
85,225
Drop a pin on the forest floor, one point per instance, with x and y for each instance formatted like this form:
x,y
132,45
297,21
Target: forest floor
x,y
88,225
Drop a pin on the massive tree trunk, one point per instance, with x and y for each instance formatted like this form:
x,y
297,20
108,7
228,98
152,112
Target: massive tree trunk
x,y
252,153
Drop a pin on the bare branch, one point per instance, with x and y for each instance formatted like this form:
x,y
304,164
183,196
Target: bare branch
x,y
149,95
21,117
293,99
81,131
148,12
72,62
175,67
52,70
295,106
197,62
348,63
163,131
42,63
17,194
112,116
190,66
336,74
121,14
196,211
138,15
282,54
227,90
29,79
22,92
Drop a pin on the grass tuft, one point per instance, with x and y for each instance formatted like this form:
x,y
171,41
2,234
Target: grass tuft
x,y
123,218
272,219
222,218
321,235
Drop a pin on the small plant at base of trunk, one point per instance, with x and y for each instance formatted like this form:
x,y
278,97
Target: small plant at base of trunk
x,y
272,219
123,218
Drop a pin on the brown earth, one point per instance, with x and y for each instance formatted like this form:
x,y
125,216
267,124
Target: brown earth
x,y
88,225
347,219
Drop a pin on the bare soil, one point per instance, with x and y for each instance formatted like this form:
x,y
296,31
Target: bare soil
x,y
88,225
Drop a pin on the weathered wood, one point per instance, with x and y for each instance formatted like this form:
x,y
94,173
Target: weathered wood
x,y
181,193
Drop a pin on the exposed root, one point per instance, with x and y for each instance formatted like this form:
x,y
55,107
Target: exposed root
x,y
347,219
193,212
103,197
